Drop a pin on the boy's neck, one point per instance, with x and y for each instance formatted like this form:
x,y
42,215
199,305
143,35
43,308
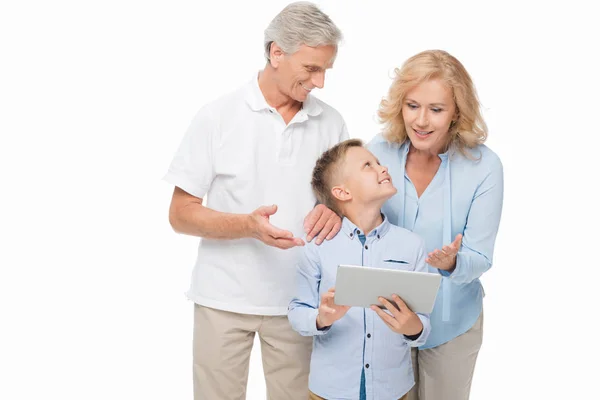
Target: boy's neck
x,y
365,218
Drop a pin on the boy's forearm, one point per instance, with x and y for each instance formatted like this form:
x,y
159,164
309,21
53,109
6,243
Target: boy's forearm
x,y
303,320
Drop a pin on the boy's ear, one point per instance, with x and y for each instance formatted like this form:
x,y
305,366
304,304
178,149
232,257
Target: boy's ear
x,y
341,193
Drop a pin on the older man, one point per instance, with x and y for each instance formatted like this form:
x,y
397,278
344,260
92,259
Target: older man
x,y
251,153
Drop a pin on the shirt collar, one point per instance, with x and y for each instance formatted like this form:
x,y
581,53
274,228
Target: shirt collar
x,y
405,147
256,100
351,230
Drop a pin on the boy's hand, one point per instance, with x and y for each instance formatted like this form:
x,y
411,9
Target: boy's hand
x,y
329,312
445,259
402,320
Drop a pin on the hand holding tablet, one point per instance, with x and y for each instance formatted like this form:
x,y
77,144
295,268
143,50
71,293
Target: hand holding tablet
x,y
363,286
329,312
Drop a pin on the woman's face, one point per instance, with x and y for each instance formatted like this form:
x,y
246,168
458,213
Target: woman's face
x,y
428,111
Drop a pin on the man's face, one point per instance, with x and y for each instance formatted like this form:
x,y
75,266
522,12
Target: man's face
x,y
365,179
298,73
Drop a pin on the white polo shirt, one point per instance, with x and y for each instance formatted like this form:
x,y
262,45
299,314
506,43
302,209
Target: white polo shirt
x,y
239,152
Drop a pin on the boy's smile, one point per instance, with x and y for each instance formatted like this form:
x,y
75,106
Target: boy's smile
x,y
365,180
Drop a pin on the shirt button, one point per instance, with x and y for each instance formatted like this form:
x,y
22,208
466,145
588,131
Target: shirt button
x,y
378,237
352,234
368,335
271,111
367,366
358,232
366,247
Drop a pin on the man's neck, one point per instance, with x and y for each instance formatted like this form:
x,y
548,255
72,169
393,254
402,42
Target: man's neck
x,y
273,96
365,218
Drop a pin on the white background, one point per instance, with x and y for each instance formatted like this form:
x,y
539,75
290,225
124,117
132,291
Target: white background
x,y
95,97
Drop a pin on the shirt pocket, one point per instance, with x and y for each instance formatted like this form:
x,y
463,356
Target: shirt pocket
x,y
396,261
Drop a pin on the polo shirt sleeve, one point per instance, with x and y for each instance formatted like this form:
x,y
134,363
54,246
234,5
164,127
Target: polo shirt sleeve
x,y
192,168
475,255
344,132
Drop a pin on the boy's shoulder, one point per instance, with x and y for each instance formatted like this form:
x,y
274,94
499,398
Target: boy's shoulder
x,y
407,237
336,245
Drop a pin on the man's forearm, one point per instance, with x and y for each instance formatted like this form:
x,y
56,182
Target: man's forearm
x,y
196,220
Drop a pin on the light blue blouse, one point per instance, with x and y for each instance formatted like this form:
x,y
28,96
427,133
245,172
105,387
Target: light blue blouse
x,y
465,196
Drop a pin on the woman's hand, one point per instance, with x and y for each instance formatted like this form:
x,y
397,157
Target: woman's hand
x,y
445,259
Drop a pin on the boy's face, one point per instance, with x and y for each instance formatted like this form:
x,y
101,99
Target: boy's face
x,y
365,180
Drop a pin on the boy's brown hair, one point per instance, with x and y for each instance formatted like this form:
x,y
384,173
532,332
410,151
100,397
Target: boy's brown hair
x,y
325,171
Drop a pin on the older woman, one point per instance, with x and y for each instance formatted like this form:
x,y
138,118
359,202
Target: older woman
x,y
450,189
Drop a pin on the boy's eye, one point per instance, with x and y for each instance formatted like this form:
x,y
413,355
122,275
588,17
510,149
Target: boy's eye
x,y
367,164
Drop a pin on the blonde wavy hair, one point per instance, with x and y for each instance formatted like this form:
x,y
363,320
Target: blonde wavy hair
x,y
468,131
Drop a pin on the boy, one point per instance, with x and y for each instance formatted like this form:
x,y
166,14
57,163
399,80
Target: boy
x,y
357,353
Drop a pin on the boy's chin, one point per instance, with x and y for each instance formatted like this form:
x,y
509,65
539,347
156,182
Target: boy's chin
x,y
391,193
387,195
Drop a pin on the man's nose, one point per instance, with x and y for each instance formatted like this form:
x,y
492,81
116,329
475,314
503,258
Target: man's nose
x,y
318,79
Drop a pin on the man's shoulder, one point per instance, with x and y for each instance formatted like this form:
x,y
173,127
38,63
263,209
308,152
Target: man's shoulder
x,y
226,100
213,112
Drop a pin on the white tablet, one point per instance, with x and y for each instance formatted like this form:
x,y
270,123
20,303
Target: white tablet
x,y
361,287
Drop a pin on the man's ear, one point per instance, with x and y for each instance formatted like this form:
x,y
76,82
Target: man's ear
x,y
275,55
341,193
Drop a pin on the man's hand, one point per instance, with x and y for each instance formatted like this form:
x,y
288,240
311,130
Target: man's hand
x,y
445,259
269,234
329,312
323,222
402,320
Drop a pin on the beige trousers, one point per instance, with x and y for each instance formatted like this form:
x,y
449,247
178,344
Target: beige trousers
x,y
445,372
222,344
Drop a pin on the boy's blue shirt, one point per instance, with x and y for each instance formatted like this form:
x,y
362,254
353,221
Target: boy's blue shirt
x,y
359,340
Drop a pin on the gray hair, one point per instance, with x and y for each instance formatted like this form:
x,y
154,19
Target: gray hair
x,y
301,23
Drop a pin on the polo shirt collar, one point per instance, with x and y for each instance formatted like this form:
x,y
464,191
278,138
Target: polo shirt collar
x,y
256,100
